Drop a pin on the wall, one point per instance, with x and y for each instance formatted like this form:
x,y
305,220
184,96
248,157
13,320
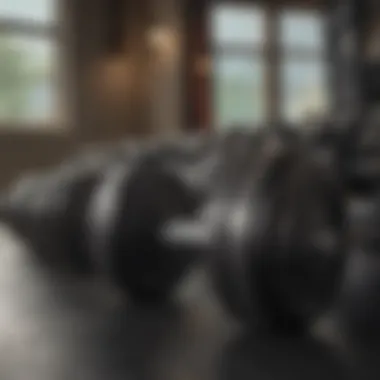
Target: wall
x,y
135,91
373,48
168,77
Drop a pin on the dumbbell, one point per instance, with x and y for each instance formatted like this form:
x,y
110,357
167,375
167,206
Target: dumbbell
x,y
273,229
102,211
130,207
46,209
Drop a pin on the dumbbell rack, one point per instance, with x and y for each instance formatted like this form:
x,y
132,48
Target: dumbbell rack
x,y
344,46
370,88
355,85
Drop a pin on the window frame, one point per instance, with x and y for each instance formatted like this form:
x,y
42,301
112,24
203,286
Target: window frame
x,y
56,34
271,52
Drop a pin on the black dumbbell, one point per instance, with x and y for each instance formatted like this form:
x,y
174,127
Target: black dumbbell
x,y
131,205
45,210
273,228
64,214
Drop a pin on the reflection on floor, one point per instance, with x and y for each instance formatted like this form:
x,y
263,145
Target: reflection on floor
x,y
70,329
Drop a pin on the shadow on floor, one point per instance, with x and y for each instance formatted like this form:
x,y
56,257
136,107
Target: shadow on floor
x,y
70,329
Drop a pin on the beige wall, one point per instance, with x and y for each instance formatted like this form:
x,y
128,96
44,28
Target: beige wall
x,y
373,48
136,92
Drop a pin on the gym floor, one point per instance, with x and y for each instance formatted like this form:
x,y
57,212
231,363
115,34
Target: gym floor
x,y
63,328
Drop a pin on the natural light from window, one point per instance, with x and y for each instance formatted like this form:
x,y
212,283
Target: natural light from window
x,y
242,65
239,79
29,63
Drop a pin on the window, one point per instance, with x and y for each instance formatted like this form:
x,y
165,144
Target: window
x,y
303,67
238,90
252,45
238,66
29,77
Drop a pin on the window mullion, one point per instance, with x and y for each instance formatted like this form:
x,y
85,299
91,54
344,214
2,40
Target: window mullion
x,y
36,29
235,49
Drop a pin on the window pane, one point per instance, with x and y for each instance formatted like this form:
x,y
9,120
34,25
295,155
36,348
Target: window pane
x,y
26,79
238,91
35,10
302,29
304,90
237,24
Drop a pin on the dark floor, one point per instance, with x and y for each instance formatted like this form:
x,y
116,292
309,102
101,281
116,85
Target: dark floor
x,y
63,329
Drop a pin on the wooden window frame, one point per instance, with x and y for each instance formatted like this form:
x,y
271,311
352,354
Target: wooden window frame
x,y
271,52
56,33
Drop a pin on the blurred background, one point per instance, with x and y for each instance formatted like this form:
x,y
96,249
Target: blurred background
x,y
73,72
